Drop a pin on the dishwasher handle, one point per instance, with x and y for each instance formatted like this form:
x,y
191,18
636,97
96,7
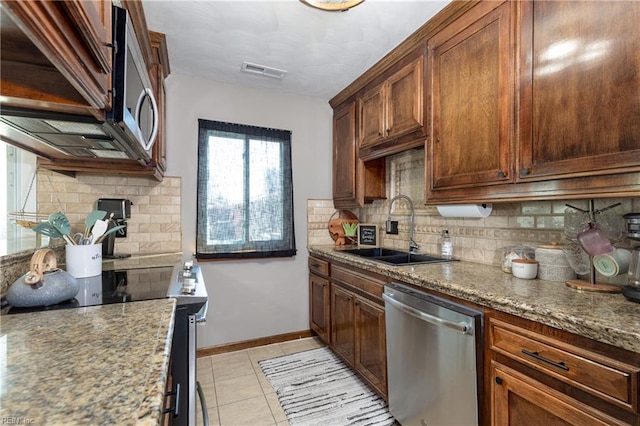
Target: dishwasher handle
x,y
460,327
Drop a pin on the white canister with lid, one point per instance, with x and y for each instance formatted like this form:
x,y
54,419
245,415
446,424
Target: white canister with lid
x,y
553,264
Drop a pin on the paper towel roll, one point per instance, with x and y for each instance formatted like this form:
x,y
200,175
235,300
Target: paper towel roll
x,y
465,210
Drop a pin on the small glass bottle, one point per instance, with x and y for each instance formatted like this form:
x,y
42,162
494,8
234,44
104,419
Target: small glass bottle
x,y
446,246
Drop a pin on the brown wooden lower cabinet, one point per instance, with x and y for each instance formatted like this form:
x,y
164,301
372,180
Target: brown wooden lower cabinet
x,y
319,305
342,324
370,343
558,378
520,400
358,335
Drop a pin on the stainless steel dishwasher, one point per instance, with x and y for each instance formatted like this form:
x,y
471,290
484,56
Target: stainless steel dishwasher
x,y
434,359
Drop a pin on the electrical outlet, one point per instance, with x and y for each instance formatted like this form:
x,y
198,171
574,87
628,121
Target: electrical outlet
x,y
392,227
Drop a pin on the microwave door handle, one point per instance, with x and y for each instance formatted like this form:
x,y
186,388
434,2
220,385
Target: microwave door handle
x,y
154,106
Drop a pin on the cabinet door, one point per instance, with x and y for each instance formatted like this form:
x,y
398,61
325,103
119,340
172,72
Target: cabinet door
x,y
55,55
404,99
372,107
471,99
370,341
342,324
580,89
159,71
344,157
319,306
517,399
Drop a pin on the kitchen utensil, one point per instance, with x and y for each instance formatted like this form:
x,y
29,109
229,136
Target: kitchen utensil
x,y
44,284
594,241
109,231
613,264
61,223
47,229
91,220
99,228
524,268
80,239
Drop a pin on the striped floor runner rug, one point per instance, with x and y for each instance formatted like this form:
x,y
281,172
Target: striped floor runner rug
x,y
316,388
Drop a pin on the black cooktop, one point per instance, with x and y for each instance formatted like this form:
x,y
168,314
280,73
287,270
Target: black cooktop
x,y
119,286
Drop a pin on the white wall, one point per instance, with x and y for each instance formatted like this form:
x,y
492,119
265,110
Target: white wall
x,y
250,298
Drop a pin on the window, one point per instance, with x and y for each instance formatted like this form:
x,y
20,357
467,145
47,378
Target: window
x,y
245,192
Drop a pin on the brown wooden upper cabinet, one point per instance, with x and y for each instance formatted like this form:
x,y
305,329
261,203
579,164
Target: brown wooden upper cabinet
x,y
56,55
392,109
580,89
471,75
354,181
535,100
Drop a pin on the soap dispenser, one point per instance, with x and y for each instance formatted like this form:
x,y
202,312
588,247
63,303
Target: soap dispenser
x,y
446,246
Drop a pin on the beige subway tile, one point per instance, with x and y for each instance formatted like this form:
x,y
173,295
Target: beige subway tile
x,y
143,218
128,247
170,227
141,181
116,180
90,179
138,237
159,199
150,247
175,236
174,209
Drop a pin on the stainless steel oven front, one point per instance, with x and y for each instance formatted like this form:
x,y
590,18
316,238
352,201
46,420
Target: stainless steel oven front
x,y
192,302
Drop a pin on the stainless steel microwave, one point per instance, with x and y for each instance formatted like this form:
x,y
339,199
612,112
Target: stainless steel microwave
x,y
131,127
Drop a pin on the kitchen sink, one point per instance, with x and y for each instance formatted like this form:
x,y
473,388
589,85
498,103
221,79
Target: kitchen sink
x,y
375,252
397,257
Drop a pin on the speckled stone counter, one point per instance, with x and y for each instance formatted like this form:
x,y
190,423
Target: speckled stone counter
x,y
608,318
96,365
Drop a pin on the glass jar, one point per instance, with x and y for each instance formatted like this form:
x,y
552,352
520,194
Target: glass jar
x,y
515,252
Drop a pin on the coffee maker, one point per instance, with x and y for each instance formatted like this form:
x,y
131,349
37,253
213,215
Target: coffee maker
x,y
632,226
118,211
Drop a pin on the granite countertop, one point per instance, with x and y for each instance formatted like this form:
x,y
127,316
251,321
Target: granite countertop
x,y
96,365
608,318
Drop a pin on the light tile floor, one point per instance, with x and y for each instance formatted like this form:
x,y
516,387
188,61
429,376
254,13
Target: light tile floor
x,y
236,390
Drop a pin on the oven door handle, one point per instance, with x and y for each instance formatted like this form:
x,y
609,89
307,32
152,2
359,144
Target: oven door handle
x,y
201,315
203,404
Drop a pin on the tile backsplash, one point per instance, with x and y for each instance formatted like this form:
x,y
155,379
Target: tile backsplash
x,y
475,240
155,225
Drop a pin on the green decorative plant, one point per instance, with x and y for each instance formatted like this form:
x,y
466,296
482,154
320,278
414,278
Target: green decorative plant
x,y
350,229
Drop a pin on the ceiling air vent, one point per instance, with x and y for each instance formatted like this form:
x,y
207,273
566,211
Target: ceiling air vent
x,y
262,70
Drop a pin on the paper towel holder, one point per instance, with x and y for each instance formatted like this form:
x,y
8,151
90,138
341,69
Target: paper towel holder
x,y
465,210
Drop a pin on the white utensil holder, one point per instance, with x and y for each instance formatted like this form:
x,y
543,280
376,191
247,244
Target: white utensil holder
x,y
84,260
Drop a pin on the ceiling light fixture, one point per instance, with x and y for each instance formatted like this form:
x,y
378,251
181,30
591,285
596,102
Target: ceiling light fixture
x,y
332,5
262,70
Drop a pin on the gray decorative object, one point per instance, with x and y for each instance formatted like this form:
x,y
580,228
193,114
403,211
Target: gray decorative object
x,y
43,285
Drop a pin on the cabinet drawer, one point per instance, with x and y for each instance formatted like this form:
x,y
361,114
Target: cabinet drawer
x,y
318,266
604,377
371,285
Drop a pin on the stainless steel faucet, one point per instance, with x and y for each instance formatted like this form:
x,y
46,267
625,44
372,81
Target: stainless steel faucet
x,y
413,246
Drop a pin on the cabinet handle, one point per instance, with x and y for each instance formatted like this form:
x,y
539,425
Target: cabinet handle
x,y
524,171
502,174
537,356
379,133
315,265
499,380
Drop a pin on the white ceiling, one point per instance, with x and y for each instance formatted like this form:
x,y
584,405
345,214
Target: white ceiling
x,y
323,52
